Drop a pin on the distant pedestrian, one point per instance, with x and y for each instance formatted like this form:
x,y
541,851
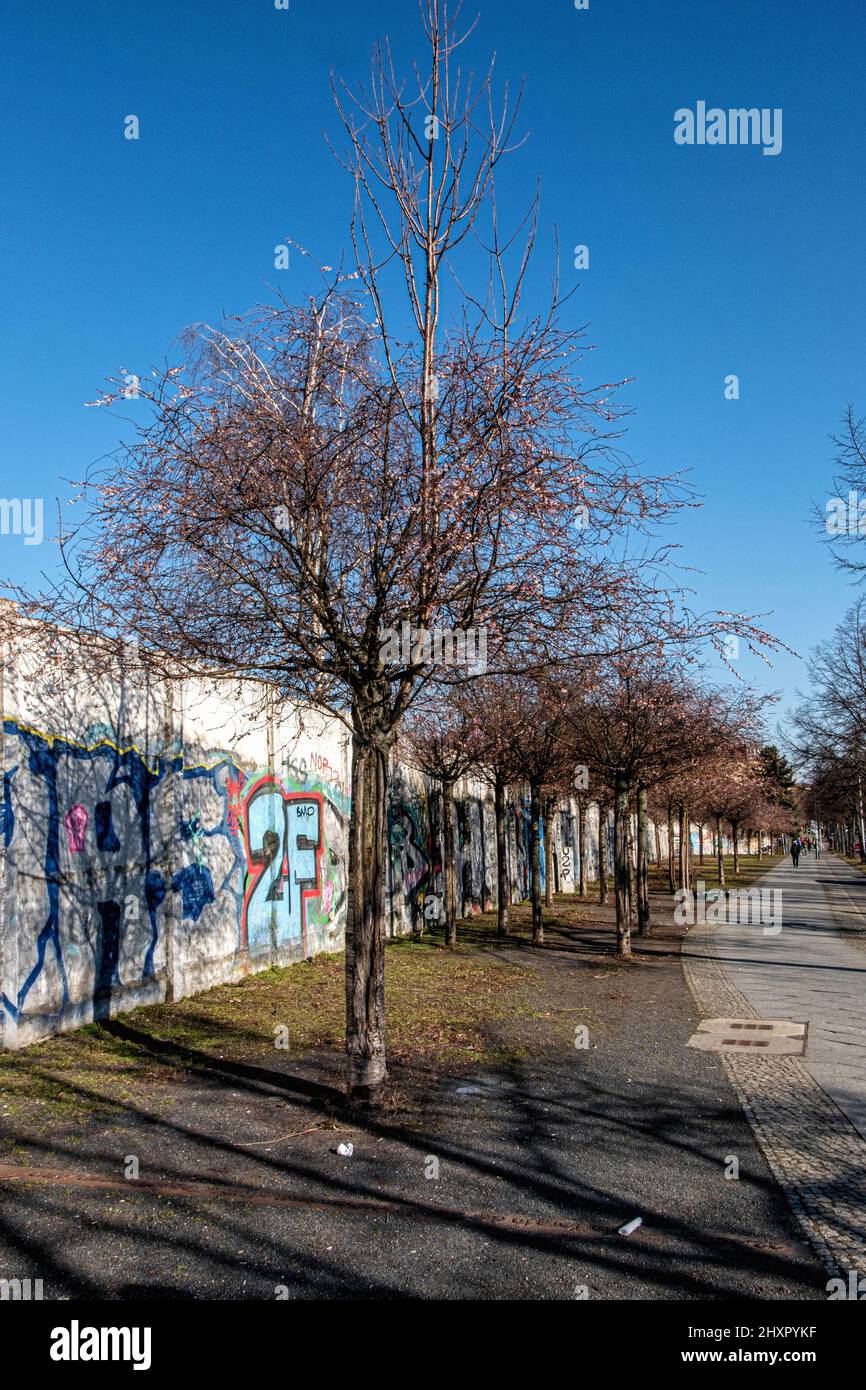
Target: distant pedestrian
x,y
796,847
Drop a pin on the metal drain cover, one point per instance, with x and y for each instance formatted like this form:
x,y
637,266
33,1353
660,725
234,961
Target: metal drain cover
x,y
761,1036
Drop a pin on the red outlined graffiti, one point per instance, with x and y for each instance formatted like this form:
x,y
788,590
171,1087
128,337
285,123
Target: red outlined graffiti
x,y
283,842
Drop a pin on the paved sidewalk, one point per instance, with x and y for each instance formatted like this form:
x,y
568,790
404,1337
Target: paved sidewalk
x,y
809,1113
507,1180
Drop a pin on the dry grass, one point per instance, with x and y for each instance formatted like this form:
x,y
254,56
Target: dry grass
x,y
750,870
441,1004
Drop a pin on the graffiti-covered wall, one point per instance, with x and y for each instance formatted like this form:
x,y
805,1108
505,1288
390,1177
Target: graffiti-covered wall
x,y
159,838
415,831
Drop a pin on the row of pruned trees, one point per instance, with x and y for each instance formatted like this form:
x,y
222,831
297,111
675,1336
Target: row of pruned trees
x,y
632,733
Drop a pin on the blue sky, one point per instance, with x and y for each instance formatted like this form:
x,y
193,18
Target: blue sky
x,y
704,261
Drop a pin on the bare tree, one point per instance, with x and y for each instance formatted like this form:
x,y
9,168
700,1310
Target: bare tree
x,y
527,735
316,491
442,742
312,496
842,523
497,737
827,732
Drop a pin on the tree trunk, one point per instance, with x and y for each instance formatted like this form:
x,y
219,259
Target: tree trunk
x,y
735,825
581,844
690,858
701,843
503,888
548,852
672,880
643,905
720,852
365,917
602,852
621,871
448,869
683,848
535,864
632,866
658,843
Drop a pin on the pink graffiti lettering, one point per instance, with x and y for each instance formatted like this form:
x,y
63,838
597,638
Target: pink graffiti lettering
x,y
75,821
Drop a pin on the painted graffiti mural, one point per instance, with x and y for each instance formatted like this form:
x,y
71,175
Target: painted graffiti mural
x,y
111,851
416,882
567,839
134,874
75,894
283,837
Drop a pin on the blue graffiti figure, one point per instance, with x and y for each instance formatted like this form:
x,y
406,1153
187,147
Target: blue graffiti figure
x,y
106,839
195,885
154,895
125,767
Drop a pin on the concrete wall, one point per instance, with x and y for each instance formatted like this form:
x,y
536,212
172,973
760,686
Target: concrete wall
x,y
159,839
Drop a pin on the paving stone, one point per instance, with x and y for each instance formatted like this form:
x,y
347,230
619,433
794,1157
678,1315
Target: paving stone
x,y
808,1114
